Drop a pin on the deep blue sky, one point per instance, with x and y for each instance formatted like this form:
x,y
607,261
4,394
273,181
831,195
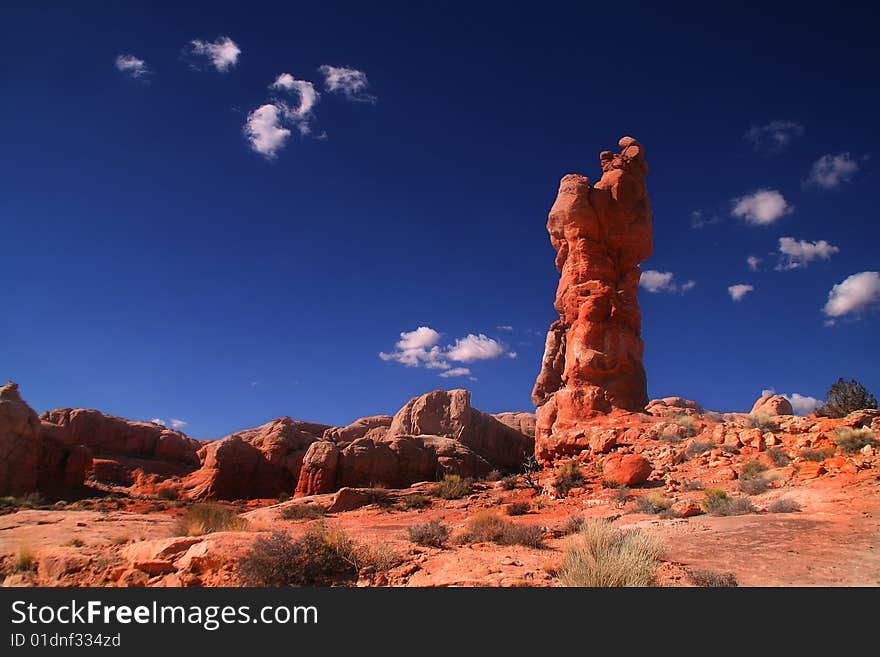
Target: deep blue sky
x,y
155,266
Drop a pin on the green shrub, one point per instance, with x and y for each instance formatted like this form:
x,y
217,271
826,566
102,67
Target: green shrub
x,y
779,457
567,476
415,501
817,455
518,508
601,555
718,503
316,558
844,397
698,447
429,534
207,518
453,487
652,503
489,527
761,421
850,441
752,469
752,480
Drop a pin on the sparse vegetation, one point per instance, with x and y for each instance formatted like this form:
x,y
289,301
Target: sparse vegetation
x,y
510,482
761,421
24,559
302,512
121,539
207,518
379,497
851,441
712,579
489,527
693,484
453,487
518,508
809,454
415,501
75,542
168,493
313,559
602,555
844,397
688,425
779,457
752,480
671,438
783,505
573,525
429,534
718,503
698,447
652,503
621,495
530,468
494,475
567,476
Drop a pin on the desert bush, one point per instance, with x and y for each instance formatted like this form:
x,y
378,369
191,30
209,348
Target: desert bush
x,y
24,559
851,441
207,518
529,469
415,501
783,505
652,503
567,476
75,542
302,512
489,527
121,539
730,449
601,555
621,494
429,534
844,397
761,421
752,469
754,485
453,487
688,424
671,438
510,482
718,503
697,447
779,457
316,558
712,579
518,508
379,497
494,475
168,493
693,484
573,525
809,454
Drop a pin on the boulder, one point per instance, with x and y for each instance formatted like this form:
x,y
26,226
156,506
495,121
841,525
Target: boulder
x,y
373,424
671,406
772,405
592,360
626,469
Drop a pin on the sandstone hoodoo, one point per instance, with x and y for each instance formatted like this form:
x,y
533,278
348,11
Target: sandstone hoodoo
x,y
592,361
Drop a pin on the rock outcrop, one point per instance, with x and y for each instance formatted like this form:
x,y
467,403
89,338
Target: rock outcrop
x,y
374,426
36,456
593,353
772,405
435,434
256,463
671,406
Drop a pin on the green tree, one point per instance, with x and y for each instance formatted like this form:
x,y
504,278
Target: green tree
x,y
846,397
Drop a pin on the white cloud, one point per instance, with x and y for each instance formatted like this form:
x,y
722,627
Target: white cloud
x,y
754,262
854,294
774,136
801,404
663,281
762,207
178,424
737,292
475,347
159,421
350,82
132,66
300,115
831,171
504,327
420,348
700,219
222,53
456,371
264,130
797,254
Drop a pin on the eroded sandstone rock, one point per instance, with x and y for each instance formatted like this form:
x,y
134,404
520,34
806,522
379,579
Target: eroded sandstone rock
x,y
592,360
772,405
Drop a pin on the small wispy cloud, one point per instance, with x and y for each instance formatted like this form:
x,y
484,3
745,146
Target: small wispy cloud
x,y
504,327
774,136
267,128
754,262
158,420
301,113
797,254
455,371
739,291
853,295
831,171
663,281
221,53
701,218
762,207
174,423
132,66
350,82
178,424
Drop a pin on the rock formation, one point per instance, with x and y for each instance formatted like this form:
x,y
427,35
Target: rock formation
x,y
593,353
772,405
434,434
36,456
